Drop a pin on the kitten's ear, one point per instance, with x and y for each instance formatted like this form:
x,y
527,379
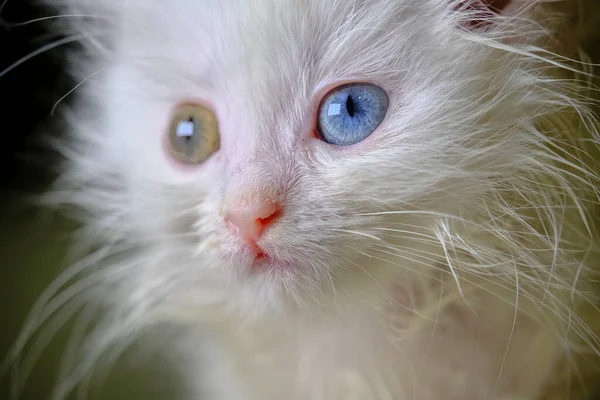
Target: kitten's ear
x,y
497,5
479,14
508,6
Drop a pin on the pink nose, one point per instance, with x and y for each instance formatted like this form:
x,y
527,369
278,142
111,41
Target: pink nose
x,y
250,221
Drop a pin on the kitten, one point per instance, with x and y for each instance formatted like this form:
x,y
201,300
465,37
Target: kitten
x,y
368,199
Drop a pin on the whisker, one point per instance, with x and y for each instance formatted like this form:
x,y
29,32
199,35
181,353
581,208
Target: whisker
x,y
488,290
76,340
41,343
9,24
55,105
449,260
45,297
41,50
511,335
47,304
354,232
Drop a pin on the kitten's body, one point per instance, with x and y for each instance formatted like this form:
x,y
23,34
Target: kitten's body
x,y
447,258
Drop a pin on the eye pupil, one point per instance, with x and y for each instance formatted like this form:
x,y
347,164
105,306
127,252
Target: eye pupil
x,y
350,106
192,125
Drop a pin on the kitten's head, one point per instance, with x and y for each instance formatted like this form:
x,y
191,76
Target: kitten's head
x,y
279,150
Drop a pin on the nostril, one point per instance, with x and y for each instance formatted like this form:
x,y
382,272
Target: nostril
x,y
265,222
250,222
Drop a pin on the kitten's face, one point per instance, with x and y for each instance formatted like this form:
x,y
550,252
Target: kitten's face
x,y
325,211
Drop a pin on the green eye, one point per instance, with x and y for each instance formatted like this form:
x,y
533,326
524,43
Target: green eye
x,y
193,134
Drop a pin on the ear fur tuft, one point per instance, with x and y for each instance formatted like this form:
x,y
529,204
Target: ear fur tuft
x,y
479,14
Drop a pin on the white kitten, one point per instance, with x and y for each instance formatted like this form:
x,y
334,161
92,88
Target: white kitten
x,y
367,199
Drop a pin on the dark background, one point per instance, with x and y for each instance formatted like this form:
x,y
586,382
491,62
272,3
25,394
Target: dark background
x,y
30,252
28,92
33,241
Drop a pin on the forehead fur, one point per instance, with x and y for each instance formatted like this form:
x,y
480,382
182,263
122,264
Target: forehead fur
x,y
267,59
293,45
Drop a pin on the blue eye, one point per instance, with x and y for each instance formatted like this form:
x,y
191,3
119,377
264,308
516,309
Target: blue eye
x,y
350,113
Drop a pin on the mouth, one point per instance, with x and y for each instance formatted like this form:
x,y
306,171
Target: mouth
x,y
260,254
263,262
255,258
257,251
261,258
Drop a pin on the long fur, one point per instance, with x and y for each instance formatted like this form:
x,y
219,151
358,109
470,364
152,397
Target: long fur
x,y
450,255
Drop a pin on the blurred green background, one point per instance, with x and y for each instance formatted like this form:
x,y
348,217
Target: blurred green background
x,y
33,246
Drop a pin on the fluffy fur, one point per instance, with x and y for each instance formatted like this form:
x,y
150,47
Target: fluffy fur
x,y
450,255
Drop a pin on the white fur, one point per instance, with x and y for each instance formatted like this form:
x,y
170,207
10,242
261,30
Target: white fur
x,y
445,257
